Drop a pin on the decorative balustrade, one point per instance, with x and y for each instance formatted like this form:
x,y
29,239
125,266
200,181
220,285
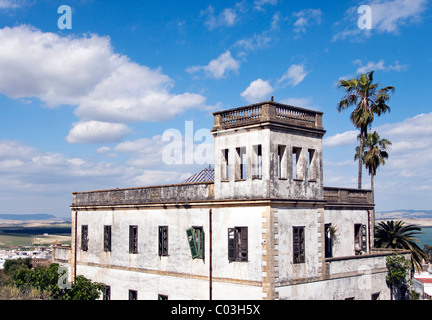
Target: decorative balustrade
x,y
268,111
346,195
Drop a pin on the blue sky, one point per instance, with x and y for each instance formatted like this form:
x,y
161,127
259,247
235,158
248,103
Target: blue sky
x,y
86,108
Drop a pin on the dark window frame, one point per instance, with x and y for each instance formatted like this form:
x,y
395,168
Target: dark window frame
x,y
106,293
133,239
84,237
107,238
299,252
133,294
238,244
163,241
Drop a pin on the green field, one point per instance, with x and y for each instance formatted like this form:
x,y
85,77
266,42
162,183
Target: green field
x,y
44,234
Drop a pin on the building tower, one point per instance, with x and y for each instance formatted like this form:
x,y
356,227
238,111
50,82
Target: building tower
x,y
268,150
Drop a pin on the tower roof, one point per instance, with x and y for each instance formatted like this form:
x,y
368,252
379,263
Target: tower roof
x,y
205,175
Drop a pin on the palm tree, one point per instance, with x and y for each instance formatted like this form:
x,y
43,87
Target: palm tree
x,y
397,235
374,154
369,99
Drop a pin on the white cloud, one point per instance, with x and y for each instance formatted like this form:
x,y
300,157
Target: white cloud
x,y
84,71
12,4
257,91
306,18
380,65
228,17
298,102
219,67
255,42
97,132
258,4
341,139
388,16
294,75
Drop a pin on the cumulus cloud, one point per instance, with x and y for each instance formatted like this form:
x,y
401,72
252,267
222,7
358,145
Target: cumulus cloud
x,y
294,75
84,71
97,132
257,91
218,68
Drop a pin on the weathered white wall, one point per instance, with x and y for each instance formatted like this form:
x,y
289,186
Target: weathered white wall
x,y
293,217
176,275
360,287
344,220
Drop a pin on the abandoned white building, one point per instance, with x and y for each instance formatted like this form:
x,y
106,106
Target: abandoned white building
x,y
259,226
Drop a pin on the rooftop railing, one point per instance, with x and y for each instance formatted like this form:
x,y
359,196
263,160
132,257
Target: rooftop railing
x,y
345,195
265,112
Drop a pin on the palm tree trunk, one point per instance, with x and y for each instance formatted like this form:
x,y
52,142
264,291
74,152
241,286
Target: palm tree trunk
x,y
372,188
360,160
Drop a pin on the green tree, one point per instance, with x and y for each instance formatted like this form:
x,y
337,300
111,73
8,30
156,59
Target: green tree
x,y
46,281
82,289
11,266
369,99
396,279
374,155
397,235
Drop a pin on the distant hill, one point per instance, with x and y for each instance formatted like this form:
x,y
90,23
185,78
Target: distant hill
x,y
28,217
404,214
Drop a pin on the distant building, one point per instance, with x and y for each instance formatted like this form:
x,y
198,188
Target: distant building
x,y
260,226
422,283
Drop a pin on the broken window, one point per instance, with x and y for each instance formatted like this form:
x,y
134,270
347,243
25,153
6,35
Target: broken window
x,y
238,244
257,165
195,236
328,232
133,295
241,172
133,239
295,163
84,237
298,244
359,238
282,168
225,164
163,241
106,293
107,238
